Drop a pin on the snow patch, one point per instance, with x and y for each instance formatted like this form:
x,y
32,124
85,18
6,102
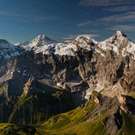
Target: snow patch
x,y
44,45
7,50
130,49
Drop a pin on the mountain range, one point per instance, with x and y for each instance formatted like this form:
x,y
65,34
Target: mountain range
x,y
78,86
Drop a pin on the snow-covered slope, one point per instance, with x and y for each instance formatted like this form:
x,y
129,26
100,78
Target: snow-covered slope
x,y
113,43
7,50
118,43
129,50
39,44
42,44
70,48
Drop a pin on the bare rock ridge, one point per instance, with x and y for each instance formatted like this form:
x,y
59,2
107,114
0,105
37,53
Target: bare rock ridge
x,y
64,74
79,54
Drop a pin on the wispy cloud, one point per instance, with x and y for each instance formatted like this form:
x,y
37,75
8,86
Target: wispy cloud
x,y
9,14
125,28
92,35
105,2
42,18
125,8
123,17
122,21
121,13
28,18
86,23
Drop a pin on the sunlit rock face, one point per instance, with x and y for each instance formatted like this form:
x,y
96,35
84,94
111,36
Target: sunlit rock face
x,y
70,65
76,67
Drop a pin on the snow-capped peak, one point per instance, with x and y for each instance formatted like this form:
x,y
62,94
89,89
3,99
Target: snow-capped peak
x,y
7,50
119,44
40,43
43,44
70,48
119,34
117,38
41,37
86,38
4,44
41,40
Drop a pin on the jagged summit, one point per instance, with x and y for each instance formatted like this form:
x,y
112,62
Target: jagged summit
x,y
40,43
43,44
41,39
118,43
3,41
7,50
117,37
120,34
85,38
51,78
5,44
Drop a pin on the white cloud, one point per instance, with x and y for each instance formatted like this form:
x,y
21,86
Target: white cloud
x,y
105,2
9,14
125,8
125,28
123,17
28,18
92,35
82,24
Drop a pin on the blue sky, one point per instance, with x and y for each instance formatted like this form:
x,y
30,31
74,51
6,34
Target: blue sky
x,y
21,20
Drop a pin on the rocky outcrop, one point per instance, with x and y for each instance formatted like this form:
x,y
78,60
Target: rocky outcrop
x,y
76,68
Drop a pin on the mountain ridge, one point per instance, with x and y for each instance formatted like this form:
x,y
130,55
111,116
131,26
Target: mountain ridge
x,y
47,79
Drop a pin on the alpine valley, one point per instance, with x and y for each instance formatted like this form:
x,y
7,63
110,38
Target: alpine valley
x,y
75,87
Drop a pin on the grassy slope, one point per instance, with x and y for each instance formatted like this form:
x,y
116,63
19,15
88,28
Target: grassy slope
x,y
12,129
128,127
75,122
79,122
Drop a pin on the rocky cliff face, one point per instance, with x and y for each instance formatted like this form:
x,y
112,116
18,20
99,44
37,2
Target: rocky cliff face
x,y
62,71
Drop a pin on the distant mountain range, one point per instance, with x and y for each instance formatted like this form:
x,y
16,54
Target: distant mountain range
x,y
78,86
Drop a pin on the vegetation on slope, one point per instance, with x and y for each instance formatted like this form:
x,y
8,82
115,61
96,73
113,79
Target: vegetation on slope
x,y
100,116
90,119
12,129
40,106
